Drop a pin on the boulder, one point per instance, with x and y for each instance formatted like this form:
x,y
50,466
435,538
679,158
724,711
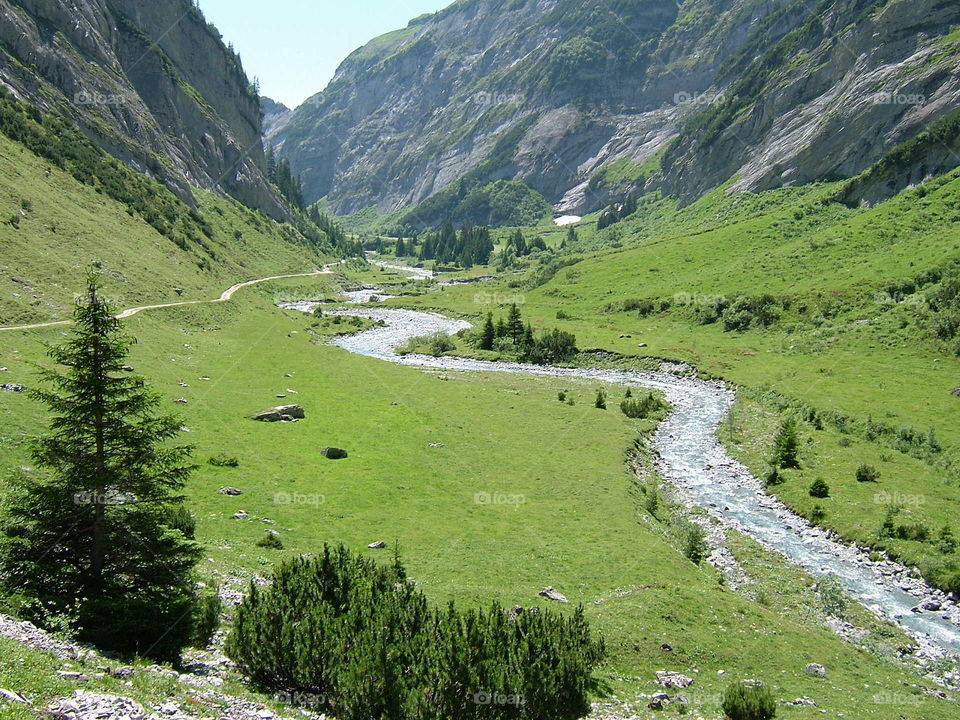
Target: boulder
x,y
815,669
669,679
12,387
230,491
551,594
931,605
14,697
240,515
378,545
332,453
281,413
955,392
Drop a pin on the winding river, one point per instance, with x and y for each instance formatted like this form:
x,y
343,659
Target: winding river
x,y
692,460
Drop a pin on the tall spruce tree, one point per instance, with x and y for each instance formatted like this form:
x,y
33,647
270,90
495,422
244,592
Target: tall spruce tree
x,y
489,333
100,537
786,446
515,324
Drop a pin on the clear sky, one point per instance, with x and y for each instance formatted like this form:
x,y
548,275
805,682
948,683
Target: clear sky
x,y
294,46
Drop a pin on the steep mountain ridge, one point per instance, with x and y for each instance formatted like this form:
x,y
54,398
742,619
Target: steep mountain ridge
x,y
150,82
583,102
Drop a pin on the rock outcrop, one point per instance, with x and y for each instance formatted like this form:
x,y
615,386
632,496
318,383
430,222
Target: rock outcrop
x,y
584,102
152,83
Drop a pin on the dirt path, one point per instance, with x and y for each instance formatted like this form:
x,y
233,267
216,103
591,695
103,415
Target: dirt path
x,y
224,297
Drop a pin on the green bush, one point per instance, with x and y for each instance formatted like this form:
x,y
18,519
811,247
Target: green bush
x,y
601,401
206,617
359,637
748,700
271,541
641,408
867,473
819,489
224,461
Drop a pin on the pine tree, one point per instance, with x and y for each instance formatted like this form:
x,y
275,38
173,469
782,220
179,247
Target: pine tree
x,y
489,333
515,324
100,538
501,329
786,446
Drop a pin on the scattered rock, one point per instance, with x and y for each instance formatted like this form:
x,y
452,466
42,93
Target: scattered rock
x,y
955,392
282,413
815,669
332,453
669,679
181,401
127,368
230,491
551,594
931,605
14,697
805,701
378,545
280,396
437,444
667,647
124,672
516,610
72,675
240,515
12,387
641,344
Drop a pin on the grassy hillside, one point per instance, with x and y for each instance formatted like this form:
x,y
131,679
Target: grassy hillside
x,y
574,518
841,316
54,227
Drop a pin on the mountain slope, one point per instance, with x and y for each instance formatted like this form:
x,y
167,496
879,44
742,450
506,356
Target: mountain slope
x,y
584,101
150,83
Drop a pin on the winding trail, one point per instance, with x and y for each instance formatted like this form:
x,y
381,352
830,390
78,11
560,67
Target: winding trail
x,y
225,296
692,460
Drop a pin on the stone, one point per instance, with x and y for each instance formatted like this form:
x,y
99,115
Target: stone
x,y
72,675
931,605
667,647
669,679
815,669
516,610
240,515
332,453
955,392
378,545
282,413
230,491
805,701
641,344
12,387
181,401
14,697
437,445
127,368
551,594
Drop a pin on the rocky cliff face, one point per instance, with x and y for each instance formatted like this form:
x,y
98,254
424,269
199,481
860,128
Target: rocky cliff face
x,y
584,100
151,82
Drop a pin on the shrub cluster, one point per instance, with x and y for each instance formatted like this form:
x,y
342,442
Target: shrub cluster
x,y
363,643
644,407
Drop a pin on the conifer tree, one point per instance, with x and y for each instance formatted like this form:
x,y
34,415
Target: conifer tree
x,y
786,445
100,537
489,333
515,324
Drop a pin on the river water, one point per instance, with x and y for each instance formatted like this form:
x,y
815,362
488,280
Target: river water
x,y
693,461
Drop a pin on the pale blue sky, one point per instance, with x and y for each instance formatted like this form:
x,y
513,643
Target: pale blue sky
x,y
294,46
